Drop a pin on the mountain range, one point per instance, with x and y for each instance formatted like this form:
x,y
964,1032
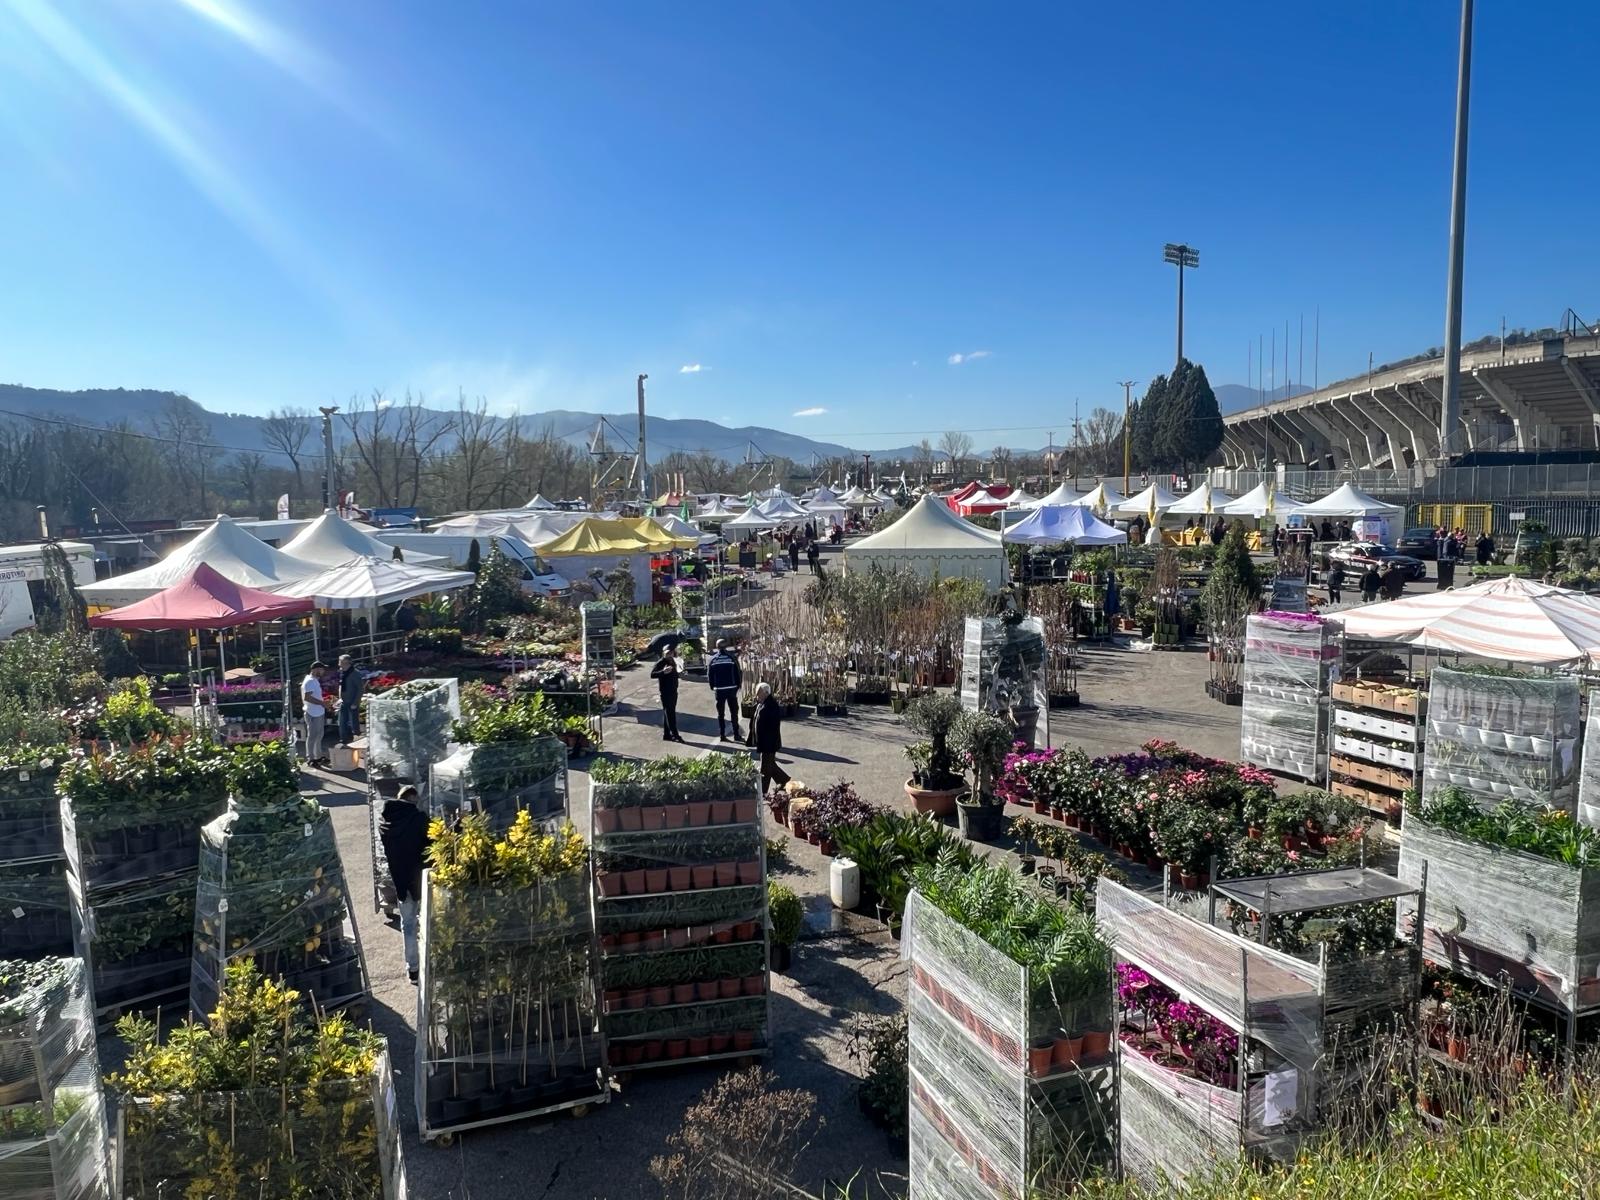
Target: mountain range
x,y
147,410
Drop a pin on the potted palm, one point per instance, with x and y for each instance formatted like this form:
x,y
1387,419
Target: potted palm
x,y
935,783
983,740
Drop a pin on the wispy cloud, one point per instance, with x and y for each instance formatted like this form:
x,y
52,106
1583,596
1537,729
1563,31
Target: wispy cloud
x,y
691,369
814,411
955,360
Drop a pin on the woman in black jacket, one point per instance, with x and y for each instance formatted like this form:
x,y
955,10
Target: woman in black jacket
x,y
403,833
666,673
767,737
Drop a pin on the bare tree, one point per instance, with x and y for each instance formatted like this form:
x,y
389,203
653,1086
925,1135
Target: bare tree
x,y
183,426
1102,441
250,466
1000,462
286,430
925,458
956,447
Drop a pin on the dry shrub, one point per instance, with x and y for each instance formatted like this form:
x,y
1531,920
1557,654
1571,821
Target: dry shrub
x,y
741,1139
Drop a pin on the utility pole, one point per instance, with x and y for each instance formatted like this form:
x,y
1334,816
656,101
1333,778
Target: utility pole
x,y
1180,256
1077,440
1450,404
866,470
330,498
644,459
1050,462
1127,406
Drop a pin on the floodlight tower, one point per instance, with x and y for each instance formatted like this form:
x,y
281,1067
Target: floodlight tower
x,y
1181,256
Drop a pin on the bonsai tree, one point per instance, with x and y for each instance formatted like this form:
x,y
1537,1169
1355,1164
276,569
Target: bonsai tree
x,y
932,717
984,740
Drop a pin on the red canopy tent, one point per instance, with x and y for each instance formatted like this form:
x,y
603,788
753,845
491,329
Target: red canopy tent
x,y
202,600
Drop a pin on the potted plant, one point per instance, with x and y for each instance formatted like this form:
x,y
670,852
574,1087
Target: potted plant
x,y
983,740
935,782
1027,834
785,914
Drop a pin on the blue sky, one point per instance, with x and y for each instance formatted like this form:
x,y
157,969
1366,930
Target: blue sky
x,y
818,205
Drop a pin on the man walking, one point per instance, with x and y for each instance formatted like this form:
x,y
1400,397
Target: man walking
x,y
316,712
666,673
403,831
352,683
813,555
767,735
794,553
1370,583
1335,581
722,673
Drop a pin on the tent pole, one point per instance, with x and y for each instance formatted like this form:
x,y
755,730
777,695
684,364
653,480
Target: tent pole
x,y
222,658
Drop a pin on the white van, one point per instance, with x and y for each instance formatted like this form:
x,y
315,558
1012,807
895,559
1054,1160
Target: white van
x,y
24,565
537,577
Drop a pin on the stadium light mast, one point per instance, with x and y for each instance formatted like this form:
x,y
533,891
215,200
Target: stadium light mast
x,y
1127,406
1450,403
1181,256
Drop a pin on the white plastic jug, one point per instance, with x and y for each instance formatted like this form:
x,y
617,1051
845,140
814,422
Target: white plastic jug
x,y
844,883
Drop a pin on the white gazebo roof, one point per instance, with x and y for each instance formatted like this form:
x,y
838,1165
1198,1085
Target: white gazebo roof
x,y
1154,498
1259,501
1346,500
1053,524
1510,619
782,509
1019,499
1101,497
231,552
717,510
930,525
824,495
751,518
538,501
1204,500
1064,493
365,583
331,540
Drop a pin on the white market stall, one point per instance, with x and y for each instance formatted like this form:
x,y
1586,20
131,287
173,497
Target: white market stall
x,y
365,585
1203,501
783,510
1260,501
236,555
1063,493
1371,519
1154,500
539,502
1056,524
935,542
331,540
1102,497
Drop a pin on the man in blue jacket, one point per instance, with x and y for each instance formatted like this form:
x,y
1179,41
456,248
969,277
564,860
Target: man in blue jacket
x,y
722,673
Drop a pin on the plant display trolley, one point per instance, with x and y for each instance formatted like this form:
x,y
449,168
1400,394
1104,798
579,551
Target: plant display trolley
x,y
506,999
1288,661
131,830
35,907
408,730
272,891
598,619
1247,1044
1004,1097
680,901
502,779
1003,668
1375,755
1503,736
54,1143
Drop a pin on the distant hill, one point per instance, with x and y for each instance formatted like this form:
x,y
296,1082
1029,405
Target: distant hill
x,y
1236,397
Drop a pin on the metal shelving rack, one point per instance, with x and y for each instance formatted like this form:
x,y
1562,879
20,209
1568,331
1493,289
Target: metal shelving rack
x,y
1375,744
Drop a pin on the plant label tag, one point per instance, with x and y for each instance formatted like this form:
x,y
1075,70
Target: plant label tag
x,y
308,828
222,905
17,913
22,776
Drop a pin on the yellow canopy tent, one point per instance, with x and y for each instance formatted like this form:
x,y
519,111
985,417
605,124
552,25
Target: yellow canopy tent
x,y
596,535
659,537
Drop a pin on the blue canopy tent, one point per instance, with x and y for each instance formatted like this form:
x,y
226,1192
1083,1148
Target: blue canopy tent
x,y
1053,524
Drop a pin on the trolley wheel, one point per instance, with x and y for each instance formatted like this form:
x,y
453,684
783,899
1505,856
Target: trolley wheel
x,y
579,1110
444,1140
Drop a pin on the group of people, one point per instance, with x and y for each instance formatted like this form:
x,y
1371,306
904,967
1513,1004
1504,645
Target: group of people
x,y
724,677
344,695
1390,582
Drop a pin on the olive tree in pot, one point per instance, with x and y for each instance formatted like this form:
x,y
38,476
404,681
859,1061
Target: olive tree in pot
x,y
983,740
935,783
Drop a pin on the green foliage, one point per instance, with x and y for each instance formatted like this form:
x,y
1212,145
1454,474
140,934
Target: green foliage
x,y
262,771
786,912
469,855
498,591
40,675
933,716
1548,832
131,715
1178,424
164,782
983,740
892,845
1233,578
520,719
440,641
881,1046
674,780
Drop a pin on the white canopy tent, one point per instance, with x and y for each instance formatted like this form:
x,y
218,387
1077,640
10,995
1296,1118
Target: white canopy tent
x,y
750,521
231,552
783,510
1064,493
1371,519
368,583
678,527
823,495
539,502
717,510
1154,499
331,540
1019,499
935,542
855,497
1055,524
1102,497
1203,501
1259,501
1512,619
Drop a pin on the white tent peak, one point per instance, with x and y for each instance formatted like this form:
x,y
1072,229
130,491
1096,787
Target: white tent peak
x,y
1155,496
234,553
1064,493
539,502
330,540
1260,501
365,583
929,524
1205,499
1346,500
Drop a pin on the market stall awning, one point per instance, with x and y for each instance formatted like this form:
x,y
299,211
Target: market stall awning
x,y
1102,497
935,542
1259,501
1513,620
717,510
1064,493
1346,500
656,536
365,583
202,600
1020,499
539,502
980,502
596,536
1203,501
750,520
782,509
234,553
1147,503
1053,524
331,540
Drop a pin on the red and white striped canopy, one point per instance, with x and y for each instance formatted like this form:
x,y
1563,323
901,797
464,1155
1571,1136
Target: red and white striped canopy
x,y
1509,619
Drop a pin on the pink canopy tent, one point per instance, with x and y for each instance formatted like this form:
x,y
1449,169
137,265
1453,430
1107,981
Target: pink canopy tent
x,y
202,600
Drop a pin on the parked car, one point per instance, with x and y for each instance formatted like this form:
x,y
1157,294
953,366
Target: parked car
x,y
1418,542
1356,556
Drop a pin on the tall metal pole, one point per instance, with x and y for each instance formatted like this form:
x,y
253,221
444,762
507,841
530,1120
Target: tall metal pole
x,y
1450,405
644,459
330,498
1180,311
1127,405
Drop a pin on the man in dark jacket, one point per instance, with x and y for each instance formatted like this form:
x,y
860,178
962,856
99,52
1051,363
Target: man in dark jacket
x,y
794,553
1370,582
351,684
813,555
666,673
1485,549
722,673
403,831
767,737
1335,581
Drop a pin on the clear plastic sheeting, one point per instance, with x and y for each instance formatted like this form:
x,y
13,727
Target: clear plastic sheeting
x,y
599,642
1493,913
507,1003
54,1143
502,779
1589,781
272,890
1503,737
1288,663
1003,670
1174,1125
408,728
35,909
337,1140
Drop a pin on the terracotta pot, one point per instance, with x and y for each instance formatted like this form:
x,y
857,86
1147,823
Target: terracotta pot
x,y
677,938
660,996
630,820
610,882
744,1039
814,836
1187,881
616,1054
680,879
750,872
1039,1056
635,998
1290,842
754,985
706,989
699,813
654,817
605,820
629,940
722,812
1253,833
704,877
743,931
933,803
608,941
723,935
1095,1043
652,1050
1066,1050
633,1053
727,989
613,999
699,1047
677,816
633,882
1456,1047
720,1043
655,879
654,939
727,874
683,993
1041,807
744,811
827,847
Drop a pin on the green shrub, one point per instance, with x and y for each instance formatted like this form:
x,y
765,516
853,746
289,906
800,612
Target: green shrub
x,y
440,641
786,912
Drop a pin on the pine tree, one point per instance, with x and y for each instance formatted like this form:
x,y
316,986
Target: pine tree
x,y
1147,420
1190,425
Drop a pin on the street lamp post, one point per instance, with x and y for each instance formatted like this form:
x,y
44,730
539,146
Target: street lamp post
x,y
1450,404
330,498
1181,256
1127,404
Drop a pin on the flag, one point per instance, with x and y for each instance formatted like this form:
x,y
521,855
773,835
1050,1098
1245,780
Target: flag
x,y
683,511
283,507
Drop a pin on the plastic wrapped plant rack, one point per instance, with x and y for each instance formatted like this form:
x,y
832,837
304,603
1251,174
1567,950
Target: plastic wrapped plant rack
x,y
335,1140
598,620
1288,660
982,1124
54,1143
680,901
507,1005
1495,913
408,728
35,906
272,889
1501,737
1003,668
500,780
1589,782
